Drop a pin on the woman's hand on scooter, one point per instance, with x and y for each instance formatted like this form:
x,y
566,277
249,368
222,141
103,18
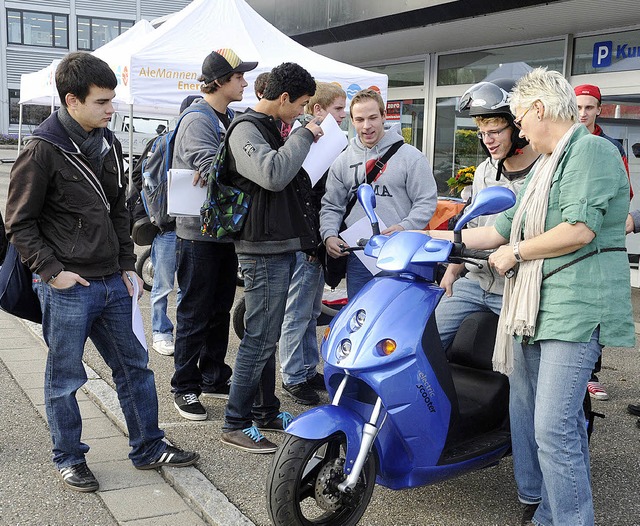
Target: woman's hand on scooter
x,y
503,260
335,247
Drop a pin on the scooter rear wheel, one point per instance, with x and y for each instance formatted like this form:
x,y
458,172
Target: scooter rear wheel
x,y
302,485
144,269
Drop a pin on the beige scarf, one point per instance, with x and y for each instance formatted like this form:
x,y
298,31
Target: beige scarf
x,y
521,299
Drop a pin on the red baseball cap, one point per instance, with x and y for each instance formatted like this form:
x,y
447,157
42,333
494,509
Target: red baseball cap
x,y
589,89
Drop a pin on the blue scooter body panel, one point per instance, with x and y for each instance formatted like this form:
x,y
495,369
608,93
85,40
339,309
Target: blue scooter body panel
x,y
422,412
323,421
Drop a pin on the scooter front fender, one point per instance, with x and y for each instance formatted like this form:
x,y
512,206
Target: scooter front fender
x,y
324,421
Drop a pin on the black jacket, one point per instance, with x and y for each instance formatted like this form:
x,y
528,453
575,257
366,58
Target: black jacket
x,y
278,221
62,216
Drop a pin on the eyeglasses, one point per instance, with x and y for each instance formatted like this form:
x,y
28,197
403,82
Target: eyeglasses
x,y
490,134
518,120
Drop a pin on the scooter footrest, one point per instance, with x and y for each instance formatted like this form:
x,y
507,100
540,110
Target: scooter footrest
x,y
475,447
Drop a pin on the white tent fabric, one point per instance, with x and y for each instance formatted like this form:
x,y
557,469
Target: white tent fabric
x,y
164,70
39,87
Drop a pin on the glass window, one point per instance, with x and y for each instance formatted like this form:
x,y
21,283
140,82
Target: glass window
x,y
31,114
96,32
409,116
402,75
37,29
456,142
514,61
605,53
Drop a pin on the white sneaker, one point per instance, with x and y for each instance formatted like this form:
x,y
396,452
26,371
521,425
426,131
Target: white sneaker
x,y
164,347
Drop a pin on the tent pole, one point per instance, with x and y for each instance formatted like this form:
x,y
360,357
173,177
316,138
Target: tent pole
x,y
20,129
130,145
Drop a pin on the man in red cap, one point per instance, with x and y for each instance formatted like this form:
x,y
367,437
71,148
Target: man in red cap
x,y
589,107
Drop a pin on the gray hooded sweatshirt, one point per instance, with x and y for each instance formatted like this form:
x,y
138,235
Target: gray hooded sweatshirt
x,y
406,192
485,177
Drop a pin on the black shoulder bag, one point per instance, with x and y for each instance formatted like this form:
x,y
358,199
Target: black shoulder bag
x,y
335,269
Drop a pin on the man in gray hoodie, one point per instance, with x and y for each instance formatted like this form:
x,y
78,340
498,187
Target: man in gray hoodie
x,y
406,193
206,266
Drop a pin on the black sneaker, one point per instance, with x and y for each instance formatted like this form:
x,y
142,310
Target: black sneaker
x,y
173,458
221,393
249,440
528,513
317,382
302,393
279,423
190,407
79,478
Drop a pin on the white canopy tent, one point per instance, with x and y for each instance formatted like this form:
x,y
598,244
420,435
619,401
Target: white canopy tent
x,y
39,87
158,68
164,69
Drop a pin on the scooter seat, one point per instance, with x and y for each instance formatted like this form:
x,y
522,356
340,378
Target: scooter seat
x,y
483,395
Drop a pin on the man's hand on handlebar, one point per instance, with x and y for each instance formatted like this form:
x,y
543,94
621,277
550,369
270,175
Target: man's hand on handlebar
x,y
335,247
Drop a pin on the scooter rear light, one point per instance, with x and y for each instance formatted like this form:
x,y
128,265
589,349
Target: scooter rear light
x,y
386,347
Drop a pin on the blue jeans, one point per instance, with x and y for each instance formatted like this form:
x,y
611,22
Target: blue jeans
x,y
266,286
298,345
163,259
102,312
207,281
357,275
547,389
468,297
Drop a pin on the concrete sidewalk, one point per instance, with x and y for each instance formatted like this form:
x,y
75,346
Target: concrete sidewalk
x,y
167,496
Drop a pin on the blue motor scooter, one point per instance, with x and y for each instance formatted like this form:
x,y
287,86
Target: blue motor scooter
x,y
403,413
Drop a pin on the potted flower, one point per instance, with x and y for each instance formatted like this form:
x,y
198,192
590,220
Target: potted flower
x,y
462,179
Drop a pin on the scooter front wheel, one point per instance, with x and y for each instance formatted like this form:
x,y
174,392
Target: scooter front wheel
x,y
302,487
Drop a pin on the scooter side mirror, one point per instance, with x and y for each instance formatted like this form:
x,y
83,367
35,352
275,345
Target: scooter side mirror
x,y
488,202
368,201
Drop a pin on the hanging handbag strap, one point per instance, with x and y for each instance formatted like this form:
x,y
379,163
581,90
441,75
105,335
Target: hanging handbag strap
x,y
372,174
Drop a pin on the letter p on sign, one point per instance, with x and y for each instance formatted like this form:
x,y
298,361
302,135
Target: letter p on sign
x,y
602,52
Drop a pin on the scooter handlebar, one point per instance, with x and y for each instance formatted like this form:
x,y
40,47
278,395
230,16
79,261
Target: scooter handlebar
x,y
460,252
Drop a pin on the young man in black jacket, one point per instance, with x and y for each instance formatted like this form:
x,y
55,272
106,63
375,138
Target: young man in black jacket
x,y
277,226
66,216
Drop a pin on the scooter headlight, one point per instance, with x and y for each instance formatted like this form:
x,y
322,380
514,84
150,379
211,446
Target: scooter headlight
x,y
386,347
357,320
344,349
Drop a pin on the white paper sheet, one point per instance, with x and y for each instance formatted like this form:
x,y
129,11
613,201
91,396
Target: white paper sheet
x,y
326,150
184,199
359,230
136,316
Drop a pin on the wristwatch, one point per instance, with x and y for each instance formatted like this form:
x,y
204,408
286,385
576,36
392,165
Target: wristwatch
x,y
516,252
53,278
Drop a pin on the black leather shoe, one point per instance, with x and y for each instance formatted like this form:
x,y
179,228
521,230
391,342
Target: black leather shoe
x,y
528,512
634,409
302,393
638,423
